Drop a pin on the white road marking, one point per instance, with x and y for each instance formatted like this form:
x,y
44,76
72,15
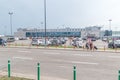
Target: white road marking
x,y
3,50
62,66
84,63
24,51
50,53
78,62
82,55
2,67
24,58
114,56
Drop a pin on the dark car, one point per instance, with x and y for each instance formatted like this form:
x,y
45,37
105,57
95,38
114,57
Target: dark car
x,y
114,44
2,42
93,39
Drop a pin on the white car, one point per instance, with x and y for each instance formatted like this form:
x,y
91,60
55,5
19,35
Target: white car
x,y
47,43
36,42
79,44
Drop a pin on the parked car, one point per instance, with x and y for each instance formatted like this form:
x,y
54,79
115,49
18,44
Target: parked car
x,y
40,42
2,42
77,43
104,39
114,44
36,42
47,43
55,42
93,39
10,39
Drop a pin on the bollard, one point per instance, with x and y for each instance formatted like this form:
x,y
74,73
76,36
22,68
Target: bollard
x,y
73,47
74,72
38,71
93,48
47,46
83,48
119,75
104,48
8,44
64,46
22,44
116,49
9,68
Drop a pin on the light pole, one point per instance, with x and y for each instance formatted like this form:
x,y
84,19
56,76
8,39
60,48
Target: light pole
x,y
110,32
110,23
45,19
11,13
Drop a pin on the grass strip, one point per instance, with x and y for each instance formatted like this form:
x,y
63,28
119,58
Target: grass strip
x,y
13,78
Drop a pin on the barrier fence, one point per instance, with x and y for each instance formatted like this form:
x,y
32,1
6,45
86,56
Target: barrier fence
x,y
38,71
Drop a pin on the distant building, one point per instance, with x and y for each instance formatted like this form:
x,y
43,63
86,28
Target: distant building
x,y
110,35
63,32
116,33
93,31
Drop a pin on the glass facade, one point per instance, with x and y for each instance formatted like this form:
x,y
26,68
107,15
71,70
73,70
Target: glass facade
x,y
53,34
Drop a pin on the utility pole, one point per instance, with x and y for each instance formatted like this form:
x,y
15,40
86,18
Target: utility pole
x,y
45,19
11,13
110,24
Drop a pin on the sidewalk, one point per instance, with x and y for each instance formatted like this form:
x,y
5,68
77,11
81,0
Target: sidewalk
x,y
29,76
65,48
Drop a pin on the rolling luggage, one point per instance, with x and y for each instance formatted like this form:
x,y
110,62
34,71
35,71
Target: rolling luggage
x,y
95,47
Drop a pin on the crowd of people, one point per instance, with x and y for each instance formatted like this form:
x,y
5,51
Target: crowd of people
x,y
90,46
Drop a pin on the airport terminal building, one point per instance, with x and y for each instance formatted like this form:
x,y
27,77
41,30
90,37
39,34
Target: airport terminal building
x,y
62,32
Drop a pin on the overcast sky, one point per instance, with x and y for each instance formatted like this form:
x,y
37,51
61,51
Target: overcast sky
x,y
60,13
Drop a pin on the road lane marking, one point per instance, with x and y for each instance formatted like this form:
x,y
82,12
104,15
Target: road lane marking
x,y
50,53
114,56
24,51
3,50
2,67
84,63
24,58
62,66
78,62
82,54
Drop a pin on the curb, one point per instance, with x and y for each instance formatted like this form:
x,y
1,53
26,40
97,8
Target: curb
x,y
29,76
70,49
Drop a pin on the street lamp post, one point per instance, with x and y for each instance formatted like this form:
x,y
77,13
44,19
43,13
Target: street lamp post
x,y
110,29
11,13
45,19
110,23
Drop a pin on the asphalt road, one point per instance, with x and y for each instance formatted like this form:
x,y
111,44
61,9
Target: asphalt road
x,y
59,63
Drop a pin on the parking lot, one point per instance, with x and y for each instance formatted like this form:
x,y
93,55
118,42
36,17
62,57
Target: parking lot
x,y
58,64
68,43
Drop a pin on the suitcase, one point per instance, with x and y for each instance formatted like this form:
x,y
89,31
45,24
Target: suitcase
x,y
95,47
